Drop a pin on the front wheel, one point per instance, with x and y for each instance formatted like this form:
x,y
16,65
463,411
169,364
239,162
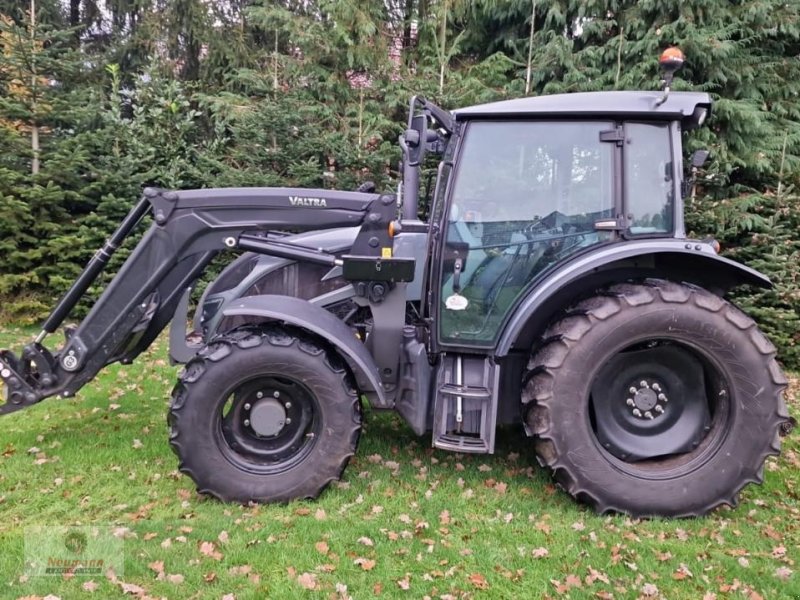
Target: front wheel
x,y
655,399
264,416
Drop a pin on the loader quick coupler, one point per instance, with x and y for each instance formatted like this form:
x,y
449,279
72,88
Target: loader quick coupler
x,y
18,392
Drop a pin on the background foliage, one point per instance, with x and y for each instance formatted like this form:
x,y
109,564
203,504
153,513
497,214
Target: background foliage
x,y
188,93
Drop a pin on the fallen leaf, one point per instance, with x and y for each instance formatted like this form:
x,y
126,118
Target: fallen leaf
x,y
308,581
89,586
366,541
595,575
157,566
210,550
783,573
137,444
131,588
229,597
223,537
778,552
403,584
650,589
540,552
322,547
366,564
681,573
176,578
479,581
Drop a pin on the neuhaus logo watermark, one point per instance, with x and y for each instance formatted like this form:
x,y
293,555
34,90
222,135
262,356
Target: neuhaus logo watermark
x,y
74,551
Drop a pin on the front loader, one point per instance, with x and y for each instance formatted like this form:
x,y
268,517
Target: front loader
x,y
553,285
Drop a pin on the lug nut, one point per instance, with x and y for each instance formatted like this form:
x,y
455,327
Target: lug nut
x,y
637,412
276,394
656,387
288,405
644,384
648,414
247,422
663,397
630,402
632,390
659,409
259,394
288,420
247,406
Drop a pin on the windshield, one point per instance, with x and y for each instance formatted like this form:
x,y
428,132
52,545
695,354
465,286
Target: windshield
x,y
526,195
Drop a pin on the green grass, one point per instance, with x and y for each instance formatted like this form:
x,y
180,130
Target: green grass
x,y
443,525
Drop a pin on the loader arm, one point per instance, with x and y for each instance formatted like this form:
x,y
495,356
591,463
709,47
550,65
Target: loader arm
x,y
189,228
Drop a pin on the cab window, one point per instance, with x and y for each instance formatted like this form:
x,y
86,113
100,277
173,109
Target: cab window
x,y
525,196
649,178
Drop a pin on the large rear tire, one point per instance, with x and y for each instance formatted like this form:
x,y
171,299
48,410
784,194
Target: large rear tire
x,y
264,416
655,399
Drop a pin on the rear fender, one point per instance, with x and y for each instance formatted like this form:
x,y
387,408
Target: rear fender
x,y
678,260
321,323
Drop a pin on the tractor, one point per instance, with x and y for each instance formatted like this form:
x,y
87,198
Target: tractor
x,y
552,284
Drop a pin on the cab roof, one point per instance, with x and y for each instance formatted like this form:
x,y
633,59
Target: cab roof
x,y
683,106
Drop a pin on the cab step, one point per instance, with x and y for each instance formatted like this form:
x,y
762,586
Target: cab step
x,y
465,408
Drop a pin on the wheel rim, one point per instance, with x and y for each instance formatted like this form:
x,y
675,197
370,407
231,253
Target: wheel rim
x,y
268,425
658,406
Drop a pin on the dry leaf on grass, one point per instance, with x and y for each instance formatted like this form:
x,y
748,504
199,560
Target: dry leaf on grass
x,y
308,581
479,581
210,550
366,564
322,547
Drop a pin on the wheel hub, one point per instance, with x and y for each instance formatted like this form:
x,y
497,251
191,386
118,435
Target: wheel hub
x,y
267,417
646,399
650,402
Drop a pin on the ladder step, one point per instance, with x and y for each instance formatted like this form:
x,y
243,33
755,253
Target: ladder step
x,y
461,443
465,391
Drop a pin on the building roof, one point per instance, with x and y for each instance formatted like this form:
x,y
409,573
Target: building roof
x,y
627,104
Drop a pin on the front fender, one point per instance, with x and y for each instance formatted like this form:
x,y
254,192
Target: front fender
x,y
680,260
318,321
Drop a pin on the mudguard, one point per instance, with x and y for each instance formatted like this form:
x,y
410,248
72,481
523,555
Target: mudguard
x,y
318,321
684,260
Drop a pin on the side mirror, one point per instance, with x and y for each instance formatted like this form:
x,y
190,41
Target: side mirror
x,y
699,158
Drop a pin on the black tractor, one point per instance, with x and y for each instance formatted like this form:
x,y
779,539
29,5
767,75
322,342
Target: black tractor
x,y
552,285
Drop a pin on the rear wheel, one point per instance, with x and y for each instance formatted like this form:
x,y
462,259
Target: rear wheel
x,y
264,416
655,399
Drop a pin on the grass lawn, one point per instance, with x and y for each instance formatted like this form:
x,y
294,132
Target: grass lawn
x,y
406,521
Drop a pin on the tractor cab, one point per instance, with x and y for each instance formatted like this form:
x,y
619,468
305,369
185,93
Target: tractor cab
x,y
528,184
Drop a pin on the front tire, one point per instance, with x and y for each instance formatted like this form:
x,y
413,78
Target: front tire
x,y
264,416
655,399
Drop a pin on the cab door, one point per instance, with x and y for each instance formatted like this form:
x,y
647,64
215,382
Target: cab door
x,y
521,198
